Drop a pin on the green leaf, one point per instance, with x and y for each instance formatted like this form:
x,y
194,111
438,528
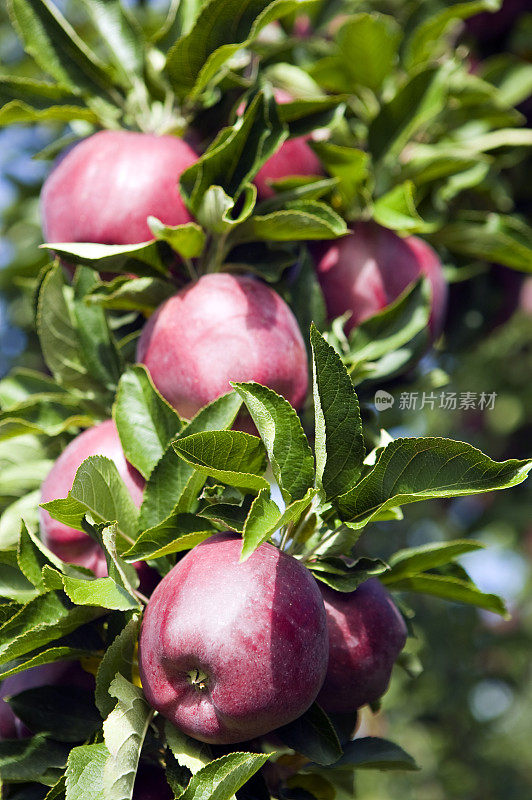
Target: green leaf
x,y
281,431
146,423
414,105
50,655
117,660
350,165
84,773
313,736
147,259
304,114
221,29
306,220
57,792
17,112
265,518
97,490
99,349
397,210
174,485
493,237
127,294
32,760
33,556
339,442
103,592
230,515
121,36
217,210
221,778
447,587
124,732
124,574
27,508
56,47
414,560
13,583
58,334
342,577
370,752
235,156
23,384
511,76
65,713
189,752
176,533
392,328
426,41
188,240
36,93
41,621
233,457
43,416
368,44
409,470
306,297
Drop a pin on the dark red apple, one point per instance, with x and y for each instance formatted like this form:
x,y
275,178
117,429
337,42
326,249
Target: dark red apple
x,y
223,328
105,188
294,157
63,673
69,544
228,650
368,269
366,635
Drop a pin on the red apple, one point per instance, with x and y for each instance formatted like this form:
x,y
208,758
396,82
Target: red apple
x,y
223,328
63,673
228,650
105,188
294,157
366,634
69,544
368,269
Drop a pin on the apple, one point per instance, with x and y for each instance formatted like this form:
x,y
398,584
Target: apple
x,y
229,651
104,189
223,328
63,673
370,267
70,545
366,635
294,157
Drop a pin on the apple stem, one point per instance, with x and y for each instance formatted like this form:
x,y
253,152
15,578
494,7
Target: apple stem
x,y
198,679
141,597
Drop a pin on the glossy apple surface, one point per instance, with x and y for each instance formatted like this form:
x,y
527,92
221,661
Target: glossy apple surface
x,y
228,650
223,328
104,189
294,157
370,267
70,545
62,673
366,635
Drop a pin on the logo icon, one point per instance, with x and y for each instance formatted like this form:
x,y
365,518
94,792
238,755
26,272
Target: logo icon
x,y
383,400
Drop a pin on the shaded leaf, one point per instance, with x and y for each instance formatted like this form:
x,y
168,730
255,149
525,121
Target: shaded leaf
x,y
285,441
